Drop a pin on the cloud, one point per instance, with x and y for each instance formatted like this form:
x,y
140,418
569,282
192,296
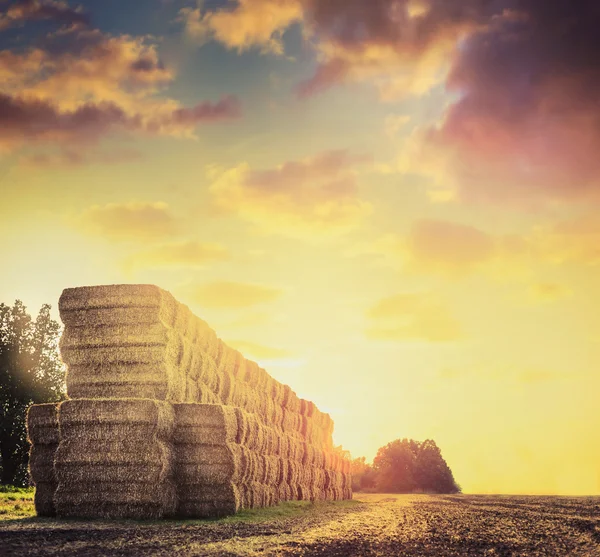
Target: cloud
x,y
403,46
32,120
74,158
80,84
525,128
314,194
20,11
229,295
414,316
190,253
258,351
448,245
549,292
129,221
249,23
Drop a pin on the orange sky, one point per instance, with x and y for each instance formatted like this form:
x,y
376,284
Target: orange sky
x,y
392,209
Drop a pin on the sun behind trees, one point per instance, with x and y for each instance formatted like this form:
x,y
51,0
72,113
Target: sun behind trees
x,y
405,466
30,373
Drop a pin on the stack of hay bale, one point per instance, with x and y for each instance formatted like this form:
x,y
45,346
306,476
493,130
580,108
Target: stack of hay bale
x,y
177,422
42,430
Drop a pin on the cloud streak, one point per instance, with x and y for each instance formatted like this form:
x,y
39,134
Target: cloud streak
x,y
413,316
319,193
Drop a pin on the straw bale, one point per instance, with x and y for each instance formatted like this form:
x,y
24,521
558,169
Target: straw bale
x,y
43,498
294,492
251,374
209,463
208,372
91,380
110,387
260,496
272,469
208,341
183,317
291,401
284,492
238,395
290,421
252,399
300,447
187,356
346,466
226,387
41,463
95,419
319,457
305,492
116,500
277,416
242,426
319,477
294,469
206,395
78,460
211,424
209,501
116,304
192,394
283,446
42,424
122,334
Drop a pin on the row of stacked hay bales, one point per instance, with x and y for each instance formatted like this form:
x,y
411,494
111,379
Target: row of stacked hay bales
x,y
159,400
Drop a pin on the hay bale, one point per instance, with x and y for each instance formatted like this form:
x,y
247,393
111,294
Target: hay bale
x,y
93,420
116,500
209,500
207,464
116,305
226,387
118,381
284,492
41,463
114,459
251,373
43,499
206,424
208,373
277,417
42,424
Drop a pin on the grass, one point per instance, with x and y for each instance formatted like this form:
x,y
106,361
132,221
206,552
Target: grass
x,y
16,502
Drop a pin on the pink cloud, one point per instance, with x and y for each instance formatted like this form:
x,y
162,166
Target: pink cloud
x,y
20,11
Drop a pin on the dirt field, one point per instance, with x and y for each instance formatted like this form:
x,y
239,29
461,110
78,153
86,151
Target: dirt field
x,y
381,525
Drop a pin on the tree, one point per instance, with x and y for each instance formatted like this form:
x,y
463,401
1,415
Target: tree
x,y
31,372
404,466
432,473
394,465
363,475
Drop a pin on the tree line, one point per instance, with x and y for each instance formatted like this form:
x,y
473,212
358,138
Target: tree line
x,y
405,466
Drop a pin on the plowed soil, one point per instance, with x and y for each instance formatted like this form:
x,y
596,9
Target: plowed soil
x,y
371,525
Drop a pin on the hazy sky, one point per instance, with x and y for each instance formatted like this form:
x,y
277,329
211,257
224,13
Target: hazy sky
x,y
390,204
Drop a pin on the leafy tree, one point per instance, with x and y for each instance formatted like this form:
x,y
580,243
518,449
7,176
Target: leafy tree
x,y
394,465
432,473
363,475
31,372
405,466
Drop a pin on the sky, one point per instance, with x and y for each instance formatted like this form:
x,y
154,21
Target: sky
x,y
389,204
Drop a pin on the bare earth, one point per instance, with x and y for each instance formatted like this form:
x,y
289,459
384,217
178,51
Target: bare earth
x,y
381,525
